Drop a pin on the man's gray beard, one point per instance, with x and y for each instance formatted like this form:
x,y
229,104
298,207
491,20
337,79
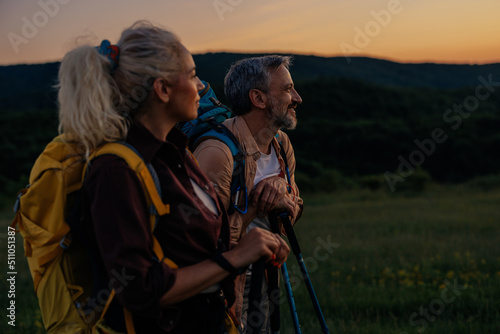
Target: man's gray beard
x,y
288,122
282,119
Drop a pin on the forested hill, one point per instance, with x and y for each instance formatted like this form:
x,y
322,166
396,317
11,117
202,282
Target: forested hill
x,y
381,72
24,87
367,119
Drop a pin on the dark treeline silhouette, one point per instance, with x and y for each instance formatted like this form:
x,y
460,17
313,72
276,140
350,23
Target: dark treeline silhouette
x,y
369,117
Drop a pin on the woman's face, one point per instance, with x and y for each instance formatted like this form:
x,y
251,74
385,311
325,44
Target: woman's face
x,y
184,98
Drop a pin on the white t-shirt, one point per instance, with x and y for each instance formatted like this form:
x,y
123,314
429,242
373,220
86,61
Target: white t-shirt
x,y
205,199
267,165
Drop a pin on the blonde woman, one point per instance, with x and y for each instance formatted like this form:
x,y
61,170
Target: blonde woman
x,y
136,91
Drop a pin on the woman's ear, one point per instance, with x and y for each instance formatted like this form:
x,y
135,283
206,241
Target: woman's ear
x,y
258,98
160,88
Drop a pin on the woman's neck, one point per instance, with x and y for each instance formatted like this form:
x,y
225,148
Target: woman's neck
x,y
153,121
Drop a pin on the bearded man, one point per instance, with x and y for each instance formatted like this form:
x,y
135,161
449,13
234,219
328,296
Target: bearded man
x,y
262,95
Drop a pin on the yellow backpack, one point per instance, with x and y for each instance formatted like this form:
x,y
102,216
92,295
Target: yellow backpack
x,y
60,266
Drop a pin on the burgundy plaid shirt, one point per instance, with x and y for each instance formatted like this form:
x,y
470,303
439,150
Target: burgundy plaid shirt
x,y
118,216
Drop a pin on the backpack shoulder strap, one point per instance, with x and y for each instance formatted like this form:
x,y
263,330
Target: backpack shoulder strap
x,y
149,178
221,132
285,160
238,185
136,163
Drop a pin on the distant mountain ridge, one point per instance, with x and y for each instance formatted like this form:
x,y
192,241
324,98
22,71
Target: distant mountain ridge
x,y
377,71
31,86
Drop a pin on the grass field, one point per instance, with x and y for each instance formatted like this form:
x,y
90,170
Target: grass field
x,y
380,263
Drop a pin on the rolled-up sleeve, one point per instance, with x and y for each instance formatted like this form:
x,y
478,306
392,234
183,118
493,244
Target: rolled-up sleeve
x,y
216,161
120,219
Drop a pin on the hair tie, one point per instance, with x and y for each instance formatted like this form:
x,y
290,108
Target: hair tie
x,y
112,52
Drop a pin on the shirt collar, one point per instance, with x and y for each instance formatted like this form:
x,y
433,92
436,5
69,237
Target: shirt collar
x,y
248,141
245,137
148,145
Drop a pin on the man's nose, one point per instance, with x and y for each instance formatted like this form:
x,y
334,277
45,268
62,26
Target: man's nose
x,y
296,97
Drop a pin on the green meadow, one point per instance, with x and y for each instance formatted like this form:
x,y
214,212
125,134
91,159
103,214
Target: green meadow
x,y
379,262
427,263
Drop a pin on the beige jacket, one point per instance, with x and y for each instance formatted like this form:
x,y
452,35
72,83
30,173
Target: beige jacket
x,y
216,161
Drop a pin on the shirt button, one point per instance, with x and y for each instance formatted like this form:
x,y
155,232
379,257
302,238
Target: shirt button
x,y
179,165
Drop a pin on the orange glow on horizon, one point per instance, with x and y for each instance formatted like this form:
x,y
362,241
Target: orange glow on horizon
x,y
448,31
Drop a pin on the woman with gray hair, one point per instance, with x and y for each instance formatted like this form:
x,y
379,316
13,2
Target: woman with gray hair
x,y
136,91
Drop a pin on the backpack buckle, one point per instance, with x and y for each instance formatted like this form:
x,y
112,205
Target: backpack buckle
x,y
65,242
236,200
17,205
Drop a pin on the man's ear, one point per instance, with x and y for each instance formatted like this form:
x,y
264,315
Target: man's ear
x,y
161,89
258,98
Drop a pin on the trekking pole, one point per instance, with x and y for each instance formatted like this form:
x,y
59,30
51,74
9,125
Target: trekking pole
x,y
273,287
255,317
273,219
292,238
291,301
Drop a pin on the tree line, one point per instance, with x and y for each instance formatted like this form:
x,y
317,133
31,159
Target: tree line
x,y
348,130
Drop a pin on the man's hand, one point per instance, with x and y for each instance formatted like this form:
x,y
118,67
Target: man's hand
x,y
287,203
269,194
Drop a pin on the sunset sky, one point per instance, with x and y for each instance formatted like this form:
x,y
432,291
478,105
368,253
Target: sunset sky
x,y
442,31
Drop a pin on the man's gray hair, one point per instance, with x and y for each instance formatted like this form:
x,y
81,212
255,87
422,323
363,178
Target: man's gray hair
x,y
248,74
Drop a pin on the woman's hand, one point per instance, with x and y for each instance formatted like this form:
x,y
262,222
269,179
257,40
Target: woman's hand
x,y
256,244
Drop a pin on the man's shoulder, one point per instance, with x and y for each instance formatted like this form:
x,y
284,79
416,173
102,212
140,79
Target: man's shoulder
x,y
282,135
234,124
283,138
214,150
212,143
239,128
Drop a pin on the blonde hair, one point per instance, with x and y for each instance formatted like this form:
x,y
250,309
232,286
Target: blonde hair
x,y
96,104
